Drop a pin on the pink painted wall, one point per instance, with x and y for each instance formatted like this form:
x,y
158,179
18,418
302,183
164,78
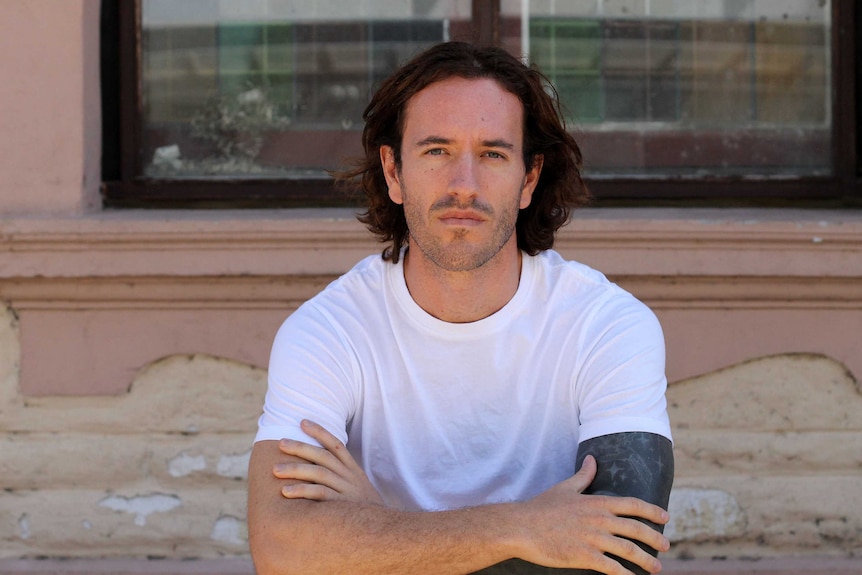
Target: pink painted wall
x,y
101,301
87,284
49,106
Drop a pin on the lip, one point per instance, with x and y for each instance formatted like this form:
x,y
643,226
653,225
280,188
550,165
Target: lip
x,y
461,218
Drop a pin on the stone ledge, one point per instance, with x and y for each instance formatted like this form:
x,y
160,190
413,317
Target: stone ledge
x,y
779,566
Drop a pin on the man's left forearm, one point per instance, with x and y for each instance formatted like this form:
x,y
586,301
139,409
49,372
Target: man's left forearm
x,y
630,464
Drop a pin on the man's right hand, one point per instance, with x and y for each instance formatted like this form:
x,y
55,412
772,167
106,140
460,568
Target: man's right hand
x,y
564,528
327,473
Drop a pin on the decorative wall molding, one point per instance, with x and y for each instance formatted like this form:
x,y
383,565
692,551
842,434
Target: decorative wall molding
x,y
649,241
106,294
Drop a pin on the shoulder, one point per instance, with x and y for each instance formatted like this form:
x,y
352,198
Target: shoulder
x,y
367,275
584,299
362,282
343,305
580,285
570,274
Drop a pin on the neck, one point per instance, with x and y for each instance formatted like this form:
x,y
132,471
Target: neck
x,y
463,297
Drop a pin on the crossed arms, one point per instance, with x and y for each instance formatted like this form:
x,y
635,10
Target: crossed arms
x,y
313,510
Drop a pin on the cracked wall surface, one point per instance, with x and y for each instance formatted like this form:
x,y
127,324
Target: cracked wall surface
x,y
158,472
768,458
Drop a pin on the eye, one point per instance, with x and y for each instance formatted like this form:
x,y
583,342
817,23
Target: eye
x,y
495,155
434,152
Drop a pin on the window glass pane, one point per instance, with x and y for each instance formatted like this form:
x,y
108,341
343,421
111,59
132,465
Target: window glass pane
x,y
271,88
680,88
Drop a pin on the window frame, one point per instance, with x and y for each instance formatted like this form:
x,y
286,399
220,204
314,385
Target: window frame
x,y
125,186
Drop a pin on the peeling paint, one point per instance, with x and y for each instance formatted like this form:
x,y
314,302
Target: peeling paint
x,y
24,526
185,464
703,514
142,505
234,465
229,530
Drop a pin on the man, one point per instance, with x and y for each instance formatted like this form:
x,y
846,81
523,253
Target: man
x,y
427,412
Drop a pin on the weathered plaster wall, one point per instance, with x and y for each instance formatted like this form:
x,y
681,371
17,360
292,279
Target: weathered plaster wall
x,y
159,471
132,344
769,460
768,452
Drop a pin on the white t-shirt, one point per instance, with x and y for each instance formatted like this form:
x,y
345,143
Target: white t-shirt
x,y
444,415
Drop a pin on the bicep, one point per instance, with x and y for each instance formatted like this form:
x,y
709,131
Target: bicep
x,y
269,514
263,486
631,464
310,376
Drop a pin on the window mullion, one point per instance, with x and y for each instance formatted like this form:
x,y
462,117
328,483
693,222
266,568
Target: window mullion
x,y
486,21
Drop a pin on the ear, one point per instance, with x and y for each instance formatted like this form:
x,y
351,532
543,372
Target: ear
x,y
390,172
531,179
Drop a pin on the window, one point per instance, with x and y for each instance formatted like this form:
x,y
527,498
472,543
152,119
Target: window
x,y
251,103
272,93
698,89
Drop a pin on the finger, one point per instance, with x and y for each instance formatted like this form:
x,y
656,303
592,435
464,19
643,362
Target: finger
x,y
585,475
627,550
310,491
634,530
609,565
308,452
331,443
311,474
634,507
298,448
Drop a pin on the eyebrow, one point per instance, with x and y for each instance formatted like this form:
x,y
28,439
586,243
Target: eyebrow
x,y
503,144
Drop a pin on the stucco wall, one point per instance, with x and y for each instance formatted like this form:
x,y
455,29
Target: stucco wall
x,y
768,458
49,127
133,344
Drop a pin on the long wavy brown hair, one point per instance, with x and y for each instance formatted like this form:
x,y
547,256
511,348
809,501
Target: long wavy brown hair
x,y
560,188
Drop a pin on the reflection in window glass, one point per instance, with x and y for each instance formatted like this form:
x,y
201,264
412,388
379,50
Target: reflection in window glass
x,y
271,89
714,87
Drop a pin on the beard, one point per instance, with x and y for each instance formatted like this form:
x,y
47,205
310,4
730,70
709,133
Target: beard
x,y
461,249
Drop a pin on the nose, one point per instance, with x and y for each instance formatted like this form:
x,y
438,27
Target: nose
x,y
463,179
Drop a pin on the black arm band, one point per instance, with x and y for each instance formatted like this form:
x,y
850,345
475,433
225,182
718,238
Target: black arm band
x,y
630,464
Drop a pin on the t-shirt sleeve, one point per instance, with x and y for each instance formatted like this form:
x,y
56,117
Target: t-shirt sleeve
x,y
622,383
310,377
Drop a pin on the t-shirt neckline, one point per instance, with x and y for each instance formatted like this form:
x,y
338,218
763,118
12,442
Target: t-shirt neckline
x,y
494,322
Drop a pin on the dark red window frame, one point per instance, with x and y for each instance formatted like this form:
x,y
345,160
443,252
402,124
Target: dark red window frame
x,y
125,185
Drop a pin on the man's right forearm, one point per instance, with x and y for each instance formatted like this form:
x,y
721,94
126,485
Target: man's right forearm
x,y
301,536
560,528
348,537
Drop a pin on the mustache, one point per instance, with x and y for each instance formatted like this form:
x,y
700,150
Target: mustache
x,y
451,202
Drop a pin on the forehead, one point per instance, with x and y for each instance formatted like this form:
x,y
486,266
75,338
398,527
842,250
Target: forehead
x,y
464,106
